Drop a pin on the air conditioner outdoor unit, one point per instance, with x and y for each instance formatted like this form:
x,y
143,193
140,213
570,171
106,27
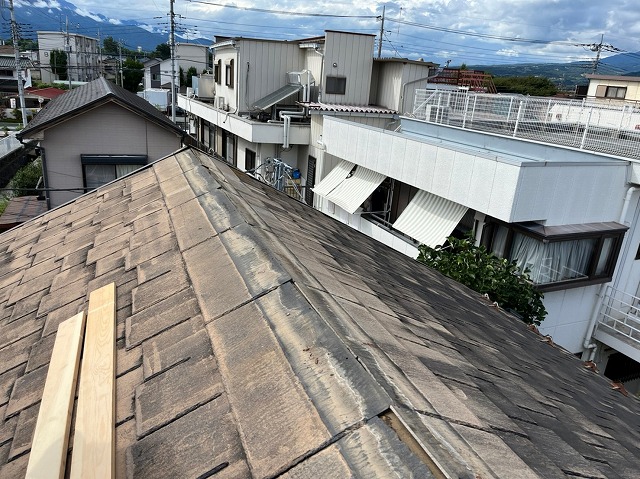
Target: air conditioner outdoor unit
x,y
221,102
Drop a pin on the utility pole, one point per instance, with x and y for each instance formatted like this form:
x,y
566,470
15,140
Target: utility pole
x,y
120,55
16,51
381,32
598,48
68,50
172,44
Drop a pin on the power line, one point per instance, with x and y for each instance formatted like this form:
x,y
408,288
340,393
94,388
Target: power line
x,y
282,12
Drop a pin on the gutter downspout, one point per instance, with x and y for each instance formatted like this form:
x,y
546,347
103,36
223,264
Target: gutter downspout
x,y
45,178
587,344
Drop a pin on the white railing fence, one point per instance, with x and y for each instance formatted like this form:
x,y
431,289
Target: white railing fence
x,y
585,124
620,312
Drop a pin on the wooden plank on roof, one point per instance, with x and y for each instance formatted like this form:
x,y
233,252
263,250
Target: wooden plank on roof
x,y
51,436
94,437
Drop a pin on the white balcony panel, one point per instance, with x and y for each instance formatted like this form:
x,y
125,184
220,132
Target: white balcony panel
x,y
246,128
429,219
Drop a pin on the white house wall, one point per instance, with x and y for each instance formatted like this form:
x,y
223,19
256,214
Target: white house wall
x,y
353,57
562,193
568,314
633,87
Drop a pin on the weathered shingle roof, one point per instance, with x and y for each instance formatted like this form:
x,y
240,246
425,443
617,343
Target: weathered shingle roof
x,y
89,95
258,338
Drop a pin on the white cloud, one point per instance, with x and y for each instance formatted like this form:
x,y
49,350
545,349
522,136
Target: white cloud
x,y
507,53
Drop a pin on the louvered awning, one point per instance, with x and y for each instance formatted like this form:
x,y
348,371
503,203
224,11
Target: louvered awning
x,y
277,96
349,185
429,218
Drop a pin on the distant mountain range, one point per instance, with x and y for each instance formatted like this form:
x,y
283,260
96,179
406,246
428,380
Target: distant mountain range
x,y
37,16
568,75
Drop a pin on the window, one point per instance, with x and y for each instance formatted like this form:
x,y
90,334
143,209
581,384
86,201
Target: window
x,y
311,180
558,257
217,70
616,92
336,85
228,74
249,160
98,170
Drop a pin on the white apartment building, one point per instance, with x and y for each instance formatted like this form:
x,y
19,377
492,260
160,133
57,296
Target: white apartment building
x,y
157,73
550,184
83,59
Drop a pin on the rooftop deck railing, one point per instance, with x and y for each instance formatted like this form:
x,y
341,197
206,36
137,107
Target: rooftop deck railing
x,y
620,315
587,124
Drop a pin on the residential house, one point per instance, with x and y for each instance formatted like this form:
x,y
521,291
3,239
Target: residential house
x,y
83,56
408,156
257,337
9,73
96,133
613,88
266,97
157,73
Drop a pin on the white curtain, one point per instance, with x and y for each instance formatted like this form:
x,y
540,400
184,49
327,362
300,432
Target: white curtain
x,y
98,175
499,240
122,170
554,261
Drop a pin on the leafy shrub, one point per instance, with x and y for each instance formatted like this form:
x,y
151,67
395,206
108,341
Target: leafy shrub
x,y
482,271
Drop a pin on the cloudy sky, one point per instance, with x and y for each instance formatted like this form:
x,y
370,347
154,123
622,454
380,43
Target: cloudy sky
x,y
462,31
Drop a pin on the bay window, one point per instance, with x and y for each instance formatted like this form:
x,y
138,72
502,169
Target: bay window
x,y
558,257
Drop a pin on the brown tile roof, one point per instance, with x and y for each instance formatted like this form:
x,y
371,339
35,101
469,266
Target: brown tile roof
x,y
21,209
258,338
88,96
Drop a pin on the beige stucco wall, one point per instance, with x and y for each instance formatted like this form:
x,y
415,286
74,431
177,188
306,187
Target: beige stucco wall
x,y
107,130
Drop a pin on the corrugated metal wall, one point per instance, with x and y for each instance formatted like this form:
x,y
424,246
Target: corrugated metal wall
x,y
352,56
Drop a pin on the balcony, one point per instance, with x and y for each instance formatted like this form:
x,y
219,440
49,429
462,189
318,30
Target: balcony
x,y
589,125
250,130
618,323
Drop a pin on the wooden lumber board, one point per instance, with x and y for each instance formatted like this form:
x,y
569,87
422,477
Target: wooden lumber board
x,y
93,453
51,436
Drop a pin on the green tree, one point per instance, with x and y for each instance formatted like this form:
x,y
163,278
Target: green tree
x,y
526,85
162,51
58,63
110,46
191,72
26,179
133,71
485,273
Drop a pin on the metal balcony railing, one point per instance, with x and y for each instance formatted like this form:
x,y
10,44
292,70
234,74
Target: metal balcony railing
x,y
584,124
620,315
